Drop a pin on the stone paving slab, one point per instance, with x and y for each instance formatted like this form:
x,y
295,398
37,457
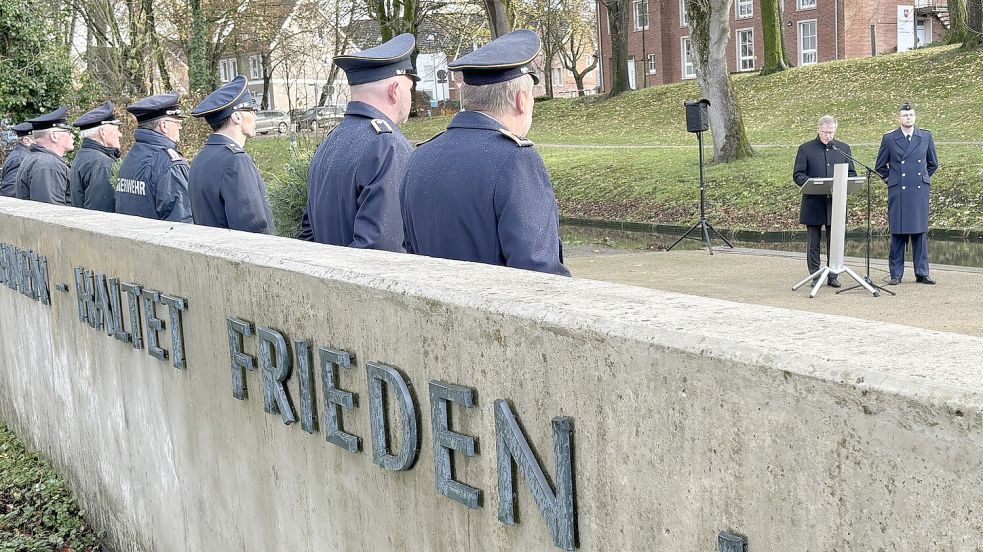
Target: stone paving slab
x,y
760,277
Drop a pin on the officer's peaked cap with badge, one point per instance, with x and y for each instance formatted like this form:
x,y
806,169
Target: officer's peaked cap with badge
x,y
102,115
226,100
22,129
386,60
906,106
507,57
153,107
56,119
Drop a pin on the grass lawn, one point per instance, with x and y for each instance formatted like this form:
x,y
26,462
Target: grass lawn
x,y
655,184
37,511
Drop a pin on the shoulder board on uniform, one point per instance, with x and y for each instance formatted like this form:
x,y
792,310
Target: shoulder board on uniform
x,y
234,148
381,126
431,138
520,141
174,155
926,130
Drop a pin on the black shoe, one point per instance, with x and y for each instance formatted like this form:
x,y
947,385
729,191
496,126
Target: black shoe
x,y
925,280
833,282
894,281
814,282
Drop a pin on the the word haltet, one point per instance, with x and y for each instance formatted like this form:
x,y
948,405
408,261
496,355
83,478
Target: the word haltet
x,y
556,506
100,306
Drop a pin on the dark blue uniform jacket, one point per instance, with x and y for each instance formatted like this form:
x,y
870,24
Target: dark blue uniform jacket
x,y
477,194
908,168
153,180
227,190
354,179
90,183
815,160
8,174
43,176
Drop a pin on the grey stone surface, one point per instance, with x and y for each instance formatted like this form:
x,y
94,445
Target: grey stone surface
x,y
692,415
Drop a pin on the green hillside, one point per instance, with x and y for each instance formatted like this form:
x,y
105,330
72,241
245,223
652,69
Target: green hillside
x,y
642,182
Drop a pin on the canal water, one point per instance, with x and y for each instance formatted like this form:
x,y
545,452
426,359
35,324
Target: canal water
x,y
940,251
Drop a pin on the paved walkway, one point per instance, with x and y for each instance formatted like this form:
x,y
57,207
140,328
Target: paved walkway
x,y
766,278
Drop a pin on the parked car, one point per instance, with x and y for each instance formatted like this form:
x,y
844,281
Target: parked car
x,y
272,121
321,117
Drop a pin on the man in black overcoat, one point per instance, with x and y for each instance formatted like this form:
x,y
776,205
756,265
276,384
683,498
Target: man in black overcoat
x,y
815,159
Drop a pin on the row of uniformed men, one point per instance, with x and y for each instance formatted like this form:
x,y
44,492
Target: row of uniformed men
x,y
476,192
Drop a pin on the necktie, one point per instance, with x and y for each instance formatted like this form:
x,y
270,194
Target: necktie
x,y
909,137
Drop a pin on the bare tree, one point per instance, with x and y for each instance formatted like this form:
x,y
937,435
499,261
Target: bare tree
x,y
709,26
580,40
617,11
501,16
547,18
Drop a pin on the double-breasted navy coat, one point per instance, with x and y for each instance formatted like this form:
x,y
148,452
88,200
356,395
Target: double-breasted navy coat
x,y
478,193
816,160
908,168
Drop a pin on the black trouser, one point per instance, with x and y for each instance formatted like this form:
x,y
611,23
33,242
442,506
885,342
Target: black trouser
x,y
815,233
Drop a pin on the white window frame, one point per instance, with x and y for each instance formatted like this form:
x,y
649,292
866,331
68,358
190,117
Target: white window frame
x,y
255,67
632,73
806,4
636,4
684,50
813,52
556,75
651,64
748,12
683,19
741,58
228,69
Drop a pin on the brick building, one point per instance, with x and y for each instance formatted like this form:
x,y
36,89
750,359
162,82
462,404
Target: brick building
x,y
815,31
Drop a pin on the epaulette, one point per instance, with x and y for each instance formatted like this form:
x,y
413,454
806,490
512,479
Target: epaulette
x,y
381,126
431,138
234,148
520,141
925,130
175,156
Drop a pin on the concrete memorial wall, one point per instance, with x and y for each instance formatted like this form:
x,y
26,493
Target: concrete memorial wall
x,y
205,390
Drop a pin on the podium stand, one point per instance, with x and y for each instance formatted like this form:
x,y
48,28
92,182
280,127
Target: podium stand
x,y
838,186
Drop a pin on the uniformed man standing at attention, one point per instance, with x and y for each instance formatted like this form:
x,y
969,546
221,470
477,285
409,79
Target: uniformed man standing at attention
x,y
153,179
8,174
226,188
907,160
90,183
43,175
354,177
479,191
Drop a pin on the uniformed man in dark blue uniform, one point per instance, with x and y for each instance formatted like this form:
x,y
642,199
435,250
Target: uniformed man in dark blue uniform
x,y
153,179
226,188
8,174
91,179
815,159
479,191
43,175
354,177
907,161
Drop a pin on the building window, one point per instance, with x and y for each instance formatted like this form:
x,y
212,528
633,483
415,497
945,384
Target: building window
x,y
255,67
808,44
631,73
806,4
228,69
641,15
745,50
557,73
689,66
745,8
650,61
683,18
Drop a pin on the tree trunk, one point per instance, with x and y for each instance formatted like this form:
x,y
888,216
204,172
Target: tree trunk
x,y
774,59
974,24
499,22
709,24
264,61
618,18
158,50
199,65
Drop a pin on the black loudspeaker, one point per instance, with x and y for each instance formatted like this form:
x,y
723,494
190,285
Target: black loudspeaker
x,y
697,115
